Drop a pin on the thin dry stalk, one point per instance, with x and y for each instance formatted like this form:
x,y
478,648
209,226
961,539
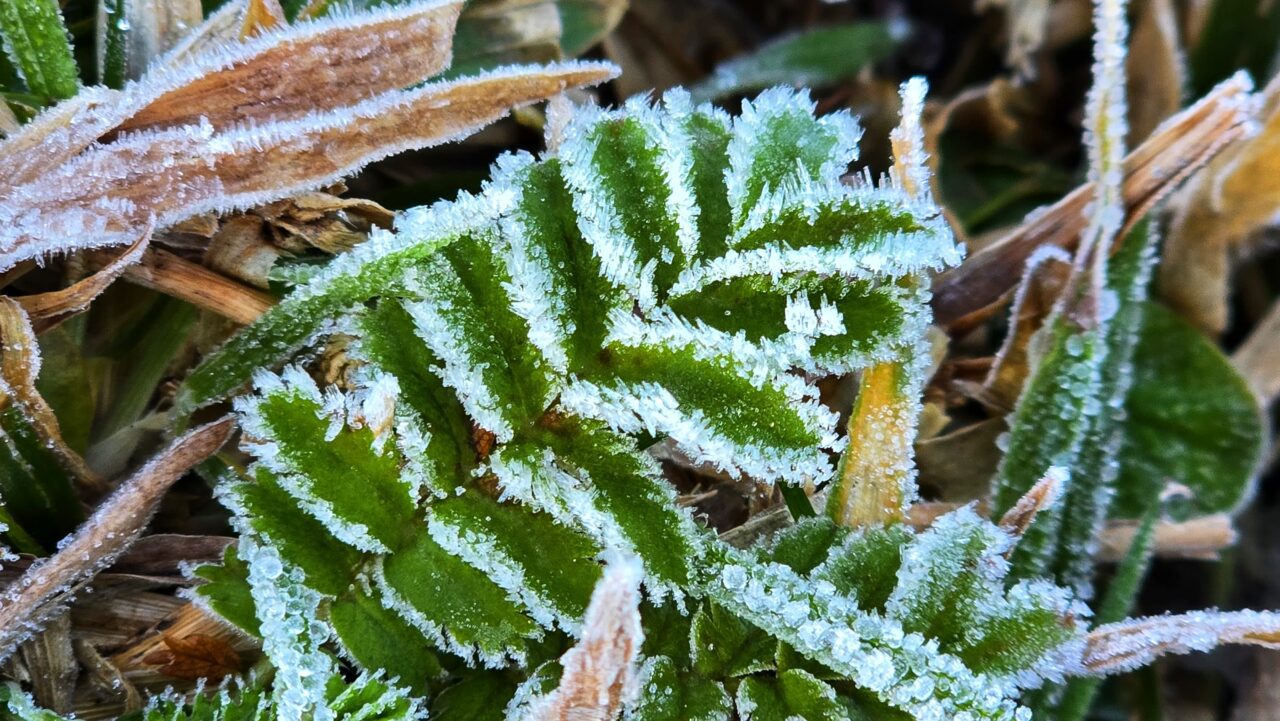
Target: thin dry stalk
x,y
599,671
965,296
1124,646
208,290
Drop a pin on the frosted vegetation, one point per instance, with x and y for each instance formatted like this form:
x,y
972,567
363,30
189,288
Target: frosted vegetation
x,y
471,520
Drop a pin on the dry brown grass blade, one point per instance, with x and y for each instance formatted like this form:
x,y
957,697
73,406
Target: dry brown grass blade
x,y
599,670
1220,213
19,369
310,67
174,174
965,296
304,68
108,532
47,310
1123,646
1197,538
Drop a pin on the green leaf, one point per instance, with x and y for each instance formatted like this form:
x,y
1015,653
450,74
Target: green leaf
x,y
551,568
226,591
38,45
628,491
376,268
1047,429
35,488
667,630
866,565
477,697
555,270
950,572
668,694
113,33
1086,503
727,646
792,694
709,132
641,231
1191,419
317,470
389,341
871,318
780,144
806,545
816,58
719,415
301,540
466,320
377,638
452,601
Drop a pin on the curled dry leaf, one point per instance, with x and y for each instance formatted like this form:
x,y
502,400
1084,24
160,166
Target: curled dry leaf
x,y
1043,494
1124,646
243,125
114,525
19,369
967,295
1047,275
1217,216
599,671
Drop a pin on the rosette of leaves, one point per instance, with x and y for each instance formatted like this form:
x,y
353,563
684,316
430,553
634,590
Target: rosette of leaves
x,y
658,274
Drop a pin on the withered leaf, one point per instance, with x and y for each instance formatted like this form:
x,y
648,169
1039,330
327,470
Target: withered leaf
x,y
113,526
234,127
1217,215
195,656
19,369
599,671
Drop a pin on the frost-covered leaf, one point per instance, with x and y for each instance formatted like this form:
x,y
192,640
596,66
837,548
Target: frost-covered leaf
x,y
815,58
792,694
366,698
1190,419
708,403
37,44
223,170
1124,646
726,646
668,694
